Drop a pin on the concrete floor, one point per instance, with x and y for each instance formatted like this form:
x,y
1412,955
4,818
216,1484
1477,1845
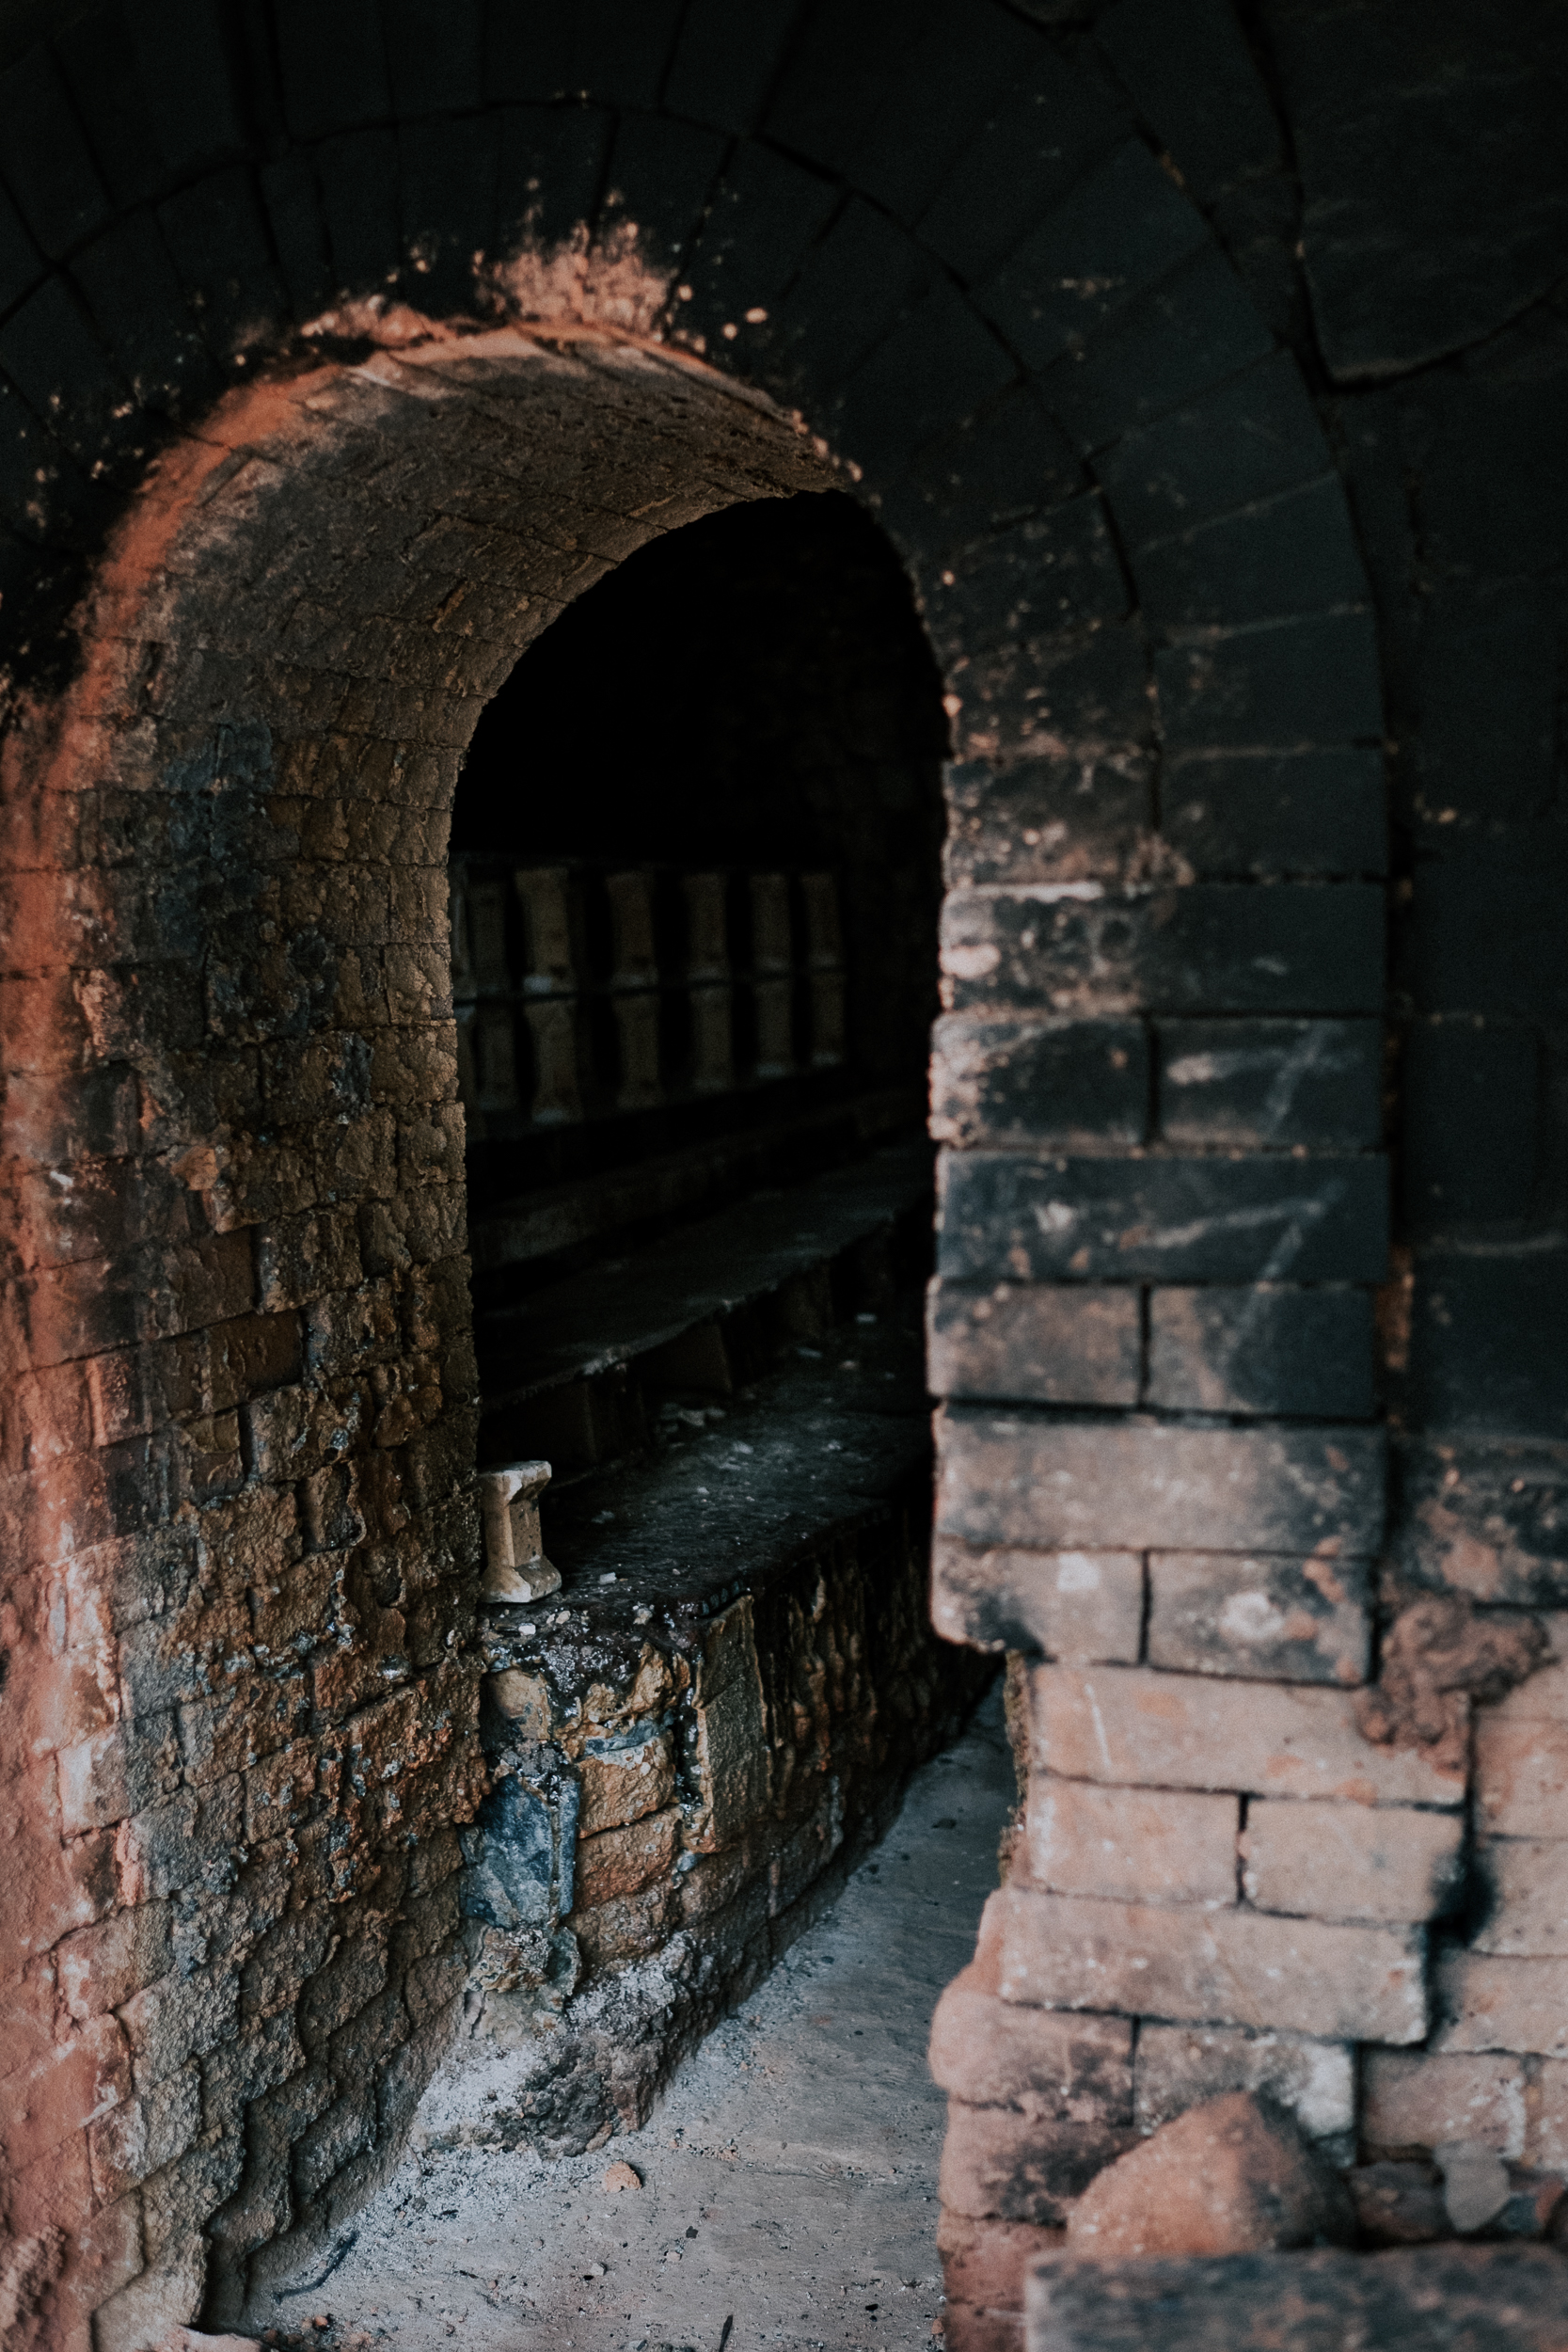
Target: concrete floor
x,y
789,2175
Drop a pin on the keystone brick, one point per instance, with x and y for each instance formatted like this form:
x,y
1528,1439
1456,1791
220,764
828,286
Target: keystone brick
x,y
1262,1350
1032,1081
1522,1775
1059,1486
1042,1346
1060,2069
1179,2067
1528,1913
998,2164
1272,1619
1417,2101
1264,1218
1272,1082
1352,1861
1078,1607
1131,1845
1494,2004
1230,1967
1131,1727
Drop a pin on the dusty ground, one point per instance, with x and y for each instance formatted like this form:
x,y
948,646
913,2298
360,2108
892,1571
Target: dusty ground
x,y
789,2176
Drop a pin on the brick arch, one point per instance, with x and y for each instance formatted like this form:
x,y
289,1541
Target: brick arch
x,y
1028,348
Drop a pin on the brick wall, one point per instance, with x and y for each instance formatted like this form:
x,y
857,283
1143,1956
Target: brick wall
x,y
1041,289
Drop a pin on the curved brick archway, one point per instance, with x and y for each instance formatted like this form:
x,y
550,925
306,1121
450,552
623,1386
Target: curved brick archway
x,y
973,279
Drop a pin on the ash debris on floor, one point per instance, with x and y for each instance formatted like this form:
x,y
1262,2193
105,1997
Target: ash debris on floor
x,y
789,2178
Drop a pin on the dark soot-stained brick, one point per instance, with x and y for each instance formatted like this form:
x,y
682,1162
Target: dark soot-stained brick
x,y
1012,460
1190,75
1471,1118
1042,1344
548,172
1197,324
1065,1482
131,288
192,99
1245,441
218,241
1301,813
659,176
568,48
1027,155
1293,554
1437,204
842,70
717,78
1304,682
850,290
1045,818
1057,571
1509,515
51,353
46,161
766,216
1307,1352
1486,927
1238,1219
358,176
447,172
98,57
1118,230
1485,694
939,363
1486,1351
1030,1080
942,92
1259,1616
293,210
1084,692
21,262
435,54
1271,1082
42,492
333,64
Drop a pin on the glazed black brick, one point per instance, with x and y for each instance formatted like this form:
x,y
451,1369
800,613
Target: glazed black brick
x,y
98,57
1245,441
189,91
50,352
939,363
358,174
1485,928
765,216
661,175
1237,1220
716,78
333,64
1026,155
1012,460
1293,554
133,293
1191,75
21,264
1302,1352
1270,1082
842,73
434,56
1194,325
1486,1349
548,172
1301,682
1117,231
446,178
1305,813
995,1081
1485,689
48,166
41,490
217,239
945,90
1471,1123
851,288
292,202
571,48
1213,947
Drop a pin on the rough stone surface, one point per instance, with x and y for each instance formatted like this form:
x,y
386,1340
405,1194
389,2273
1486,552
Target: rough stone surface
x,y
1232,2176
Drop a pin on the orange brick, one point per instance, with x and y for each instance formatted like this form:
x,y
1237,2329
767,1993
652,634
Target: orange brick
x,y
1140,1845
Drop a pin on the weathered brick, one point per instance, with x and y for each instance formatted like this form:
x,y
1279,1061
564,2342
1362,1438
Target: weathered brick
x,y
1522,1775
1262,1350
142,2135
1527,1913
1352,1861
622,1784
1178,2067
1010,1081
619,1861
1078,1607
998,2163
1414,2098
1495,2004
1229,1967
1023,1478
1271,1082
1057,2068
1043,1345
1131,1845
1267,1618
1542,1697
1131,1727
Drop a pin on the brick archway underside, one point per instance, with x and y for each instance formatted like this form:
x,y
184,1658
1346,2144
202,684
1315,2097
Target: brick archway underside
x,y
227,936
